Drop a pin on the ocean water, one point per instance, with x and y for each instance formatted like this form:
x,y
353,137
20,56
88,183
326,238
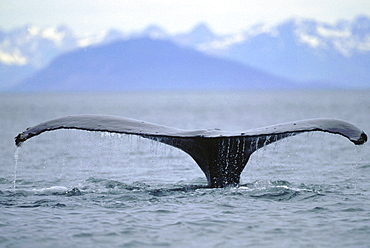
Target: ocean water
x,y
70,188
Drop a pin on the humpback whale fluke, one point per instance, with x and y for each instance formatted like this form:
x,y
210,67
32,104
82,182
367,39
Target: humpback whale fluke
x,y
221,155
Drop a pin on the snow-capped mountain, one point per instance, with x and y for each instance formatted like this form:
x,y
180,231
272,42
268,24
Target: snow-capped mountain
x,y
302,50
30,45
344,37
27,49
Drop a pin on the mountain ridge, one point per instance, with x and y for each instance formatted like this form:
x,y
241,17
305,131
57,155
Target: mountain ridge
x,y
308,51
300,50
145,63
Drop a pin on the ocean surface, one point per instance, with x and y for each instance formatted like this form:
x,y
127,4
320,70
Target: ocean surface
x,y
70,188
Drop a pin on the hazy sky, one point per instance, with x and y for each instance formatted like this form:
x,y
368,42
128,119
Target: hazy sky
x,y
223,16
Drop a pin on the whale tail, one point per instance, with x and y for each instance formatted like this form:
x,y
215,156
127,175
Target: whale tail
x,y
222,156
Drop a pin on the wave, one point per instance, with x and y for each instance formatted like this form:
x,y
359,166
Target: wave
x,y
115,194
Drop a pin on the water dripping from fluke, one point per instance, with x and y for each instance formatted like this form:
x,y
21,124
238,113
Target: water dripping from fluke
x,y
16,158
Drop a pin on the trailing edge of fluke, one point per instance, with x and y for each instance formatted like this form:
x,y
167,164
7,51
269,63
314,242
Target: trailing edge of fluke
x,y
222,155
